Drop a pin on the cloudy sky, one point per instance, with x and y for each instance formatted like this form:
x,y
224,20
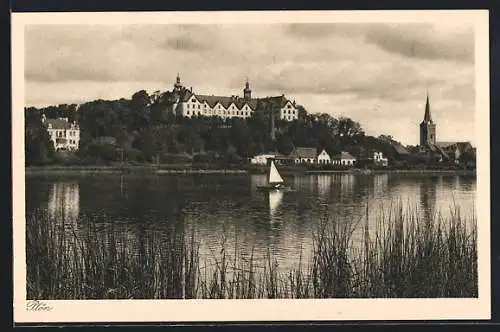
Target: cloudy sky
x,y
377,74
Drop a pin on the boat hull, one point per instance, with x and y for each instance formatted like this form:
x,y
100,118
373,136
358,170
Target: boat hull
x,y
273,188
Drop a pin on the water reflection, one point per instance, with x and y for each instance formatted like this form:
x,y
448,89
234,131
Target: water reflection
x,y
428,197
347,183
275,198
380,183
324,184
134,210
64,201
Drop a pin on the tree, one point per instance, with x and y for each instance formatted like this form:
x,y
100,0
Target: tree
x,y
39,149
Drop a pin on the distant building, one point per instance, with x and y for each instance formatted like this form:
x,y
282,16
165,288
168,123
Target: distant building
x,y
262,159
446,151
188,104
373,157
324,158
427,128
64,135
379,159
344,159
302,155
454,150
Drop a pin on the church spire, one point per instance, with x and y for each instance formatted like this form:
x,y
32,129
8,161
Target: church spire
x,y
427,115
178,85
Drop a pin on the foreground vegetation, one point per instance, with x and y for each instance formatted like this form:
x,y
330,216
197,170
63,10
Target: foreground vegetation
x,y
403,255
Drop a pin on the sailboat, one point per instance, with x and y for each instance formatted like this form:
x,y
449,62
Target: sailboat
x,y
274,181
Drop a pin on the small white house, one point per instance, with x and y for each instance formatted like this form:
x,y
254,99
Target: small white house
x,y
304,155
344,159
64,135
379,159
262,159
324,158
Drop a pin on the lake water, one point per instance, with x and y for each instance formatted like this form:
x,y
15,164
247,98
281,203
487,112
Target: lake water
x,y
225,211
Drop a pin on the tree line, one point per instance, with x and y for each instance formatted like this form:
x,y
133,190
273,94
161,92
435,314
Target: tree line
x,y
144,129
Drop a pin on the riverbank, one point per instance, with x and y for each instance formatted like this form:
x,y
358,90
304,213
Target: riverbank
x,y
404,256
235,169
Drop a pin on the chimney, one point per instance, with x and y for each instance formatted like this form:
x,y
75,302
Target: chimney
x,y
191,89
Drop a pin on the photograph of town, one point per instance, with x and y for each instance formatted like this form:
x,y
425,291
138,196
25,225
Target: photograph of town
x,y
250,161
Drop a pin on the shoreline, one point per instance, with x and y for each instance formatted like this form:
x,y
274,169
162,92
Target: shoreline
x,y
170,169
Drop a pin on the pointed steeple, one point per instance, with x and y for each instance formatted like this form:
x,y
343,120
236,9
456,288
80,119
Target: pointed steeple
x,y
427,115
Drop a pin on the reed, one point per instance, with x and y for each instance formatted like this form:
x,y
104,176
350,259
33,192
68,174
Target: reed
x,y
402,256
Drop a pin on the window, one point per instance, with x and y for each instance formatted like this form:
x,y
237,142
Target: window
x,y
187,112
193,100
198,106
187,105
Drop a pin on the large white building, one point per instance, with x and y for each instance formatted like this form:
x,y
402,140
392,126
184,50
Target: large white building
x,y
188,104
64,135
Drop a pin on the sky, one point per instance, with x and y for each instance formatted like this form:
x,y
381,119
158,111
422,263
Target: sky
x,y
376,74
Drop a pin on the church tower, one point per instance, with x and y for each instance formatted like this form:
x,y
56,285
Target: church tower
x,y
247,93
427,128
178,85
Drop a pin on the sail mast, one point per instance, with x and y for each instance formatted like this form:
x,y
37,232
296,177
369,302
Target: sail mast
x,y
274,175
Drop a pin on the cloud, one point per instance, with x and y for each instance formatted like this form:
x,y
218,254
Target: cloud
x,y
424,41
374,73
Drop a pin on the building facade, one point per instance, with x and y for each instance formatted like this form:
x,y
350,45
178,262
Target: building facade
x,y
379,159
344,159
64,135
262,159
189,104
304,155
445,151
324,158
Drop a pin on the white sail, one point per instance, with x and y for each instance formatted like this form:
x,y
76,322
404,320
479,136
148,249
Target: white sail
x,y
274,175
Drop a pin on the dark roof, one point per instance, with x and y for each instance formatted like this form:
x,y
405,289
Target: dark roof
x,y
223,100
427,114
279,101
303,153
463,146
58,124
343,155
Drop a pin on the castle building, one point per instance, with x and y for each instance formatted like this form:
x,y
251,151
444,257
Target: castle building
x,y
64,135
189,104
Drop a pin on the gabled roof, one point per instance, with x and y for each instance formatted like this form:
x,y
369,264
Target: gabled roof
x,y
461,145
398,147
278,101
343,155
58,124
225,101
445,144
303,153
